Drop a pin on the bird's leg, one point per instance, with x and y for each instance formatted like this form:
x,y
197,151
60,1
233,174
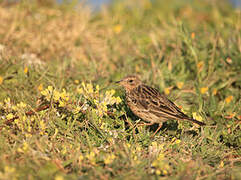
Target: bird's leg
x,y
145,124
160,125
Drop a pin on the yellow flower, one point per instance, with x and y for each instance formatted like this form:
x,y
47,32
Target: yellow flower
x,y
21,105
118,100
64,95
101,109
48,93
214,91
19,150
42,127
40,87
59,177
56,95
80,90
62,103
44,92
91,157
76,81
29,128
90,88
83,85
64,150
109,158
193,35
161,165
7,101
103,125
25,146
81,157
97,88
204,90
158,172
25,70
137,69
9,170
180,85
50,88
228,99
109,99
167,90
1,80
178,141
196,116
165,171
221,165
91,93
138,148
200,66
109,93
28,135
117,28
10,116
175,141
14,107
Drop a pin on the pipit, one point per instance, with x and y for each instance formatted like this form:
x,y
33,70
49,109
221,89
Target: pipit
x,y
150,105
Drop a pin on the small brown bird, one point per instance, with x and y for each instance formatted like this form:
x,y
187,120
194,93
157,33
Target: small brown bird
x,y
149,104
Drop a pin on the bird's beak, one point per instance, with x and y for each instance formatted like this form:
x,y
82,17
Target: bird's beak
x,y
117,82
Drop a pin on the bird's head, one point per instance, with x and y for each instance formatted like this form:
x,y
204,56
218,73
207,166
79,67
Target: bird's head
x,y
130,82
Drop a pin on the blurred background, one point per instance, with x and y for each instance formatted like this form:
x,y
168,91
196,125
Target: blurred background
x,y
96,4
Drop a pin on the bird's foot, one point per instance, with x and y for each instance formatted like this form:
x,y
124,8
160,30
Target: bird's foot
x,y
160,125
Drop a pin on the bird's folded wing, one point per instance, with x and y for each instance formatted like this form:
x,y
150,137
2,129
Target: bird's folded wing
x,y
150,99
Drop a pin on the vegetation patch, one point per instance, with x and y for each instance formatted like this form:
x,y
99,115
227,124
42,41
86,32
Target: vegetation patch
x,y
63,117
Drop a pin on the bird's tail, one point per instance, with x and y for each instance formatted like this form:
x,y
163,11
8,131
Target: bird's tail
x,y
196,121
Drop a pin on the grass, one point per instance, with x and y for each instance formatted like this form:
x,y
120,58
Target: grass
x,y
189,50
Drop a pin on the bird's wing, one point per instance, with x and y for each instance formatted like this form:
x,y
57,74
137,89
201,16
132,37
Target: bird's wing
x,y
152,100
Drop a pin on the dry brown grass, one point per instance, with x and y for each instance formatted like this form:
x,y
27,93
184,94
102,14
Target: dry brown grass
x,y
53,34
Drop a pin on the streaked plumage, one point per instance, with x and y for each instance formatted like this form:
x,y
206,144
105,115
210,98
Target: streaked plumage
x,y
149,104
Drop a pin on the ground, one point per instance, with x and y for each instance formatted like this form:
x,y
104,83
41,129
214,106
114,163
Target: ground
x,y
63,117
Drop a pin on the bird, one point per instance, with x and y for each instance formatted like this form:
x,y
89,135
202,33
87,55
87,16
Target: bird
x,y
149,104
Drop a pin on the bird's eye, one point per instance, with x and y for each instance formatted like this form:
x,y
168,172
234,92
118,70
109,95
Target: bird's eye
x,y
130,81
